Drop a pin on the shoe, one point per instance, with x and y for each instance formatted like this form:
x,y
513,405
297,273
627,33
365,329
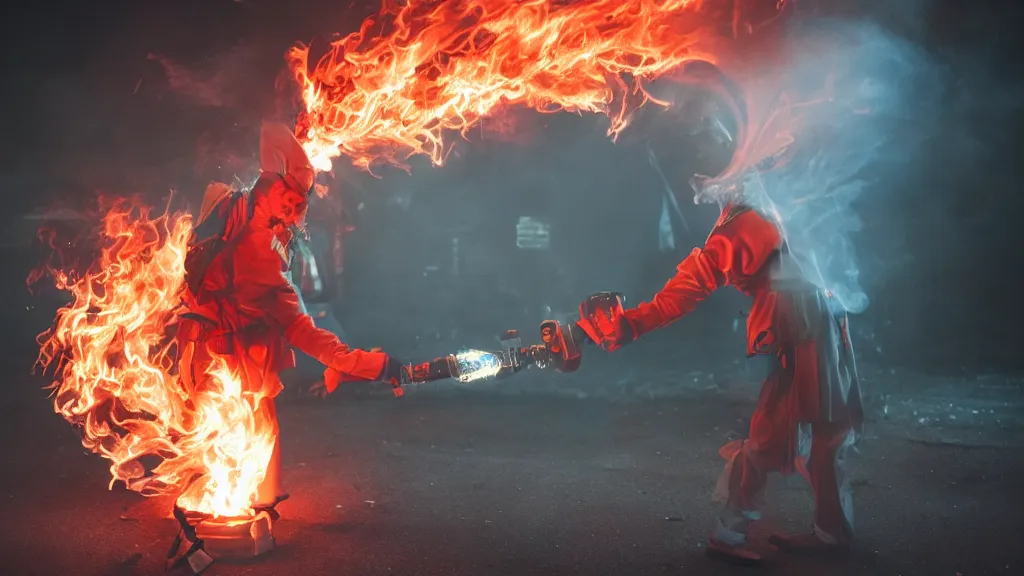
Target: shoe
x,y
739,555
729,543
808,544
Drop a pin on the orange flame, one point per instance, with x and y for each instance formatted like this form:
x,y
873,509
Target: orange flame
x,y
446,65
112,356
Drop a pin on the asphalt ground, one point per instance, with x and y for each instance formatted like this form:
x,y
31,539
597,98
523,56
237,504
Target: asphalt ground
x,y
476,483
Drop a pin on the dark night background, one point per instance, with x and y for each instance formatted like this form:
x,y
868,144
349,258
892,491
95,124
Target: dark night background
x,y
144,97
89,110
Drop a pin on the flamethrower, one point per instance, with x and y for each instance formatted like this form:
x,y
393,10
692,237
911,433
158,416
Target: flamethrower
x,y
560,349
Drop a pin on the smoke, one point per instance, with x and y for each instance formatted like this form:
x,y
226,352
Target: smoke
x,y
228,94
221,81
833,120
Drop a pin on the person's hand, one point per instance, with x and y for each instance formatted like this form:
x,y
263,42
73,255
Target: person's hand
x,y
604,321
319,388
330,382
392,372
395,373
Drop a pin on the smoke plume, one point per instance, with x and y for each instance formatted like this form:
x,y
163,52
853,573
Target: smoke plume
x,y
831,121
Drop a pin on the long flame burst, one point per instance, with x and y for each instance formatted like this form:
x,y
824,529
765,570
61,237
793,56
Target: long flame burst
x,y
111,351
445,65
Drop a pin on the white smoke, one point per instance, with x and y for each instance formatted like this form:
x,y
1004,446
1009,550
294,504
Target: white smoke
x,y
837,111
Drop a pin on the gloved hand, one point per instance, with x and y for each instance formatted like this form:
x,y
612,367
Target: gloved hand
x,y
395,373
604,321
344,364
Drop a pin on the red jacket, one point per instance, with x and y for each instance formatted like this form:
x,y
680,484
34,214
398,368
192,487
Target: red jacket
x,y
737,252
245,307
790,317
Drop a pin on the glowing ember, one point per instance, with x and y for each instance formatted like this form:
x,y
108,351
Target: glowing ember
x,y
477,365
445,65
112,355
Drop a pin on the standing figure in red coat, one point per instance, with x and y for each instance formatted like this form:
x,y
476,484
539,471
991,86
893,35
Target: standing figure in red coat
x,y
809,411
242,307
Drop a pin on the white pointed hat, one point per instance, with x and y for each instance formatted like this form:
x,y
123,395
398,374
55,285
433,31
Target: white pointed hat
x,y
281,153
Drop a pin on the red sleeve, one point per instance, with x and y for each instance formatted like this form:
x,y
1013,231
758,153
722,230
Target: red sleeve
x,y
262,287
736,249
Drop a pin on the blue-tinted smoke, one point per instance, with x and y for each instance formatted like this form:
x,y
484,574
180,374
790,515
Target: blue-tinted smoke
x,y
836,114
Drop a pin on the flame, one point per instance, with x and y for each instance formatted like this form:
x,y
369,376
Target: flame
x,y
234,442
111,352
443,66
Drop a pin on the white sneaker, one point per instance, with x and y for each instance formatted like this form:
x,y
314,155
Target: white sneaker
x,y
731,545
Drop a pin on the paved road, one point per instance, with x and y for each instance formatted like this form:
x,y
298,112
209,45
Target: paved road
x,y
478,484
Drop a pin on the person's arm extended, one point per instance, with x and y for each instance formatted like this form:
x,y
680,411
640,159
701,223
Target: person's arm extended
x,y
262,285
741,247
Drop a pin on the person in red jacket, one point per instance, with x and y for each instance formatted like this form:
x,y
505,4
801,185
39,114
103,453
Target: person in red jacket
x,y
241,305
809,410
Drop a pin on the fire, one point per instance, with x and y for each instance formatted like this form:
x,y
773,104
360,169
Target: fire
x,y
111,352
234,442
443,66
